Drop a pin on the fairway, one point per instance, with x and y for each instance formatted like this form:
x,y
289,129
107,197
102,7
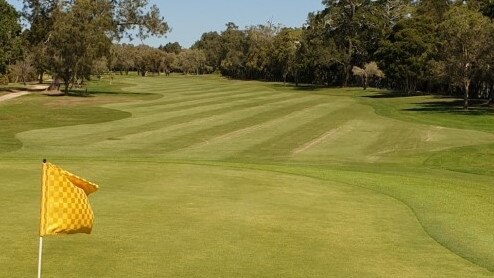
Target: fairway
x,y
210,177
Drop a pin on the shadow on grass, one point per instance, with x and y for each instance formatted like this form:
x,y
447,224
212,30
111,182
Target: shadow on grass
x,y
94,93
442,104
455,106
300,87
389,95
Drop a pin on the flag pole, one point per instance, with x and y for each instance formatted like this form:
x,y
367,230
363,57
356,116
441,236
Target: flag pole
x,y
39,255
40,251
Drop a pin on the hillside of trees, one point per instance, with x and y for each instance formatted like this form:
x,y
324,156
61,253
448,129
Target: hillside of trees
x,y
424,46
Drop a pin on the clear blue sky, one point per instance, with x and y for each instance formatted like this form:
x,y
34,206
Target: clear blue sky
x,y
189,19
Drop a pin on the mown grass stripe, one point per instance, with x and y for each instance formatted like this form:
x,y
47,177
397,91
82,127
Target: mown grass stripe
x,y
189,139
150,126
212,101
283,146
195,97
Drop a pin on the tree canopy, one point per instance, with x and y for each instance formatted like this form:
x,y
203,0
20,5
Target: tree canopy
x,y
10,30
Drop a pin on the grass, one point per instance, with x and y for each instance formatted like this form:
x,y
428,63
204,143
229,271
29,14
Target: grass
x,y
207,177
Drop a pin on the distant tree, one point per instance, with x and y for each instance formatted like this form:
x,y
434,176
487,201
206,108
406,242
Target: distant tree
x,y
405,54
23,69
172,48
233,40
259,48
322,60
10,30
211,44
193,60
168,62
123,58
467,36
83,30
100,67
368,71
286,44
39,14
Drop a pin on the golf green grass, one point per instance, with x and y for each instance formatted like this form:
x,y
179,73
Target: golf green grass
x,y
208,177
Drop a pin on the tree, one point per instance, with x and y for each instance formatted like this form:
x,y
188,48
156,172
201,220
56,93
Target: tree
x,y
467,36
211,44
370,70
123,57
100,67
286,44
10,30
171,48
39,14
23,69
233,40
259,49
192,60
83,30
405,54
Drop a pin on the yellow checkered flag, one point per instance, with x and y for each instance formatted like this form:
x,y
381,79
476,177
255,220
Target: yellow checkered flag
x,y
65,206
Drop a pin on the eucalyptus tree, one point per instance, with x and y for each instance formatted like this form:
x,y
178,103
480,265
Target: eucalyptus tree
x,y
286,46
192,61
234,49
123,58
81,31
211,44
10,30
467,37
259,48
39,14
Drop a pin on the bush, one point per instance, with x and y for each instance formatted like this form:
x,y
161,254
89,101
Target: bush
x,y
4,80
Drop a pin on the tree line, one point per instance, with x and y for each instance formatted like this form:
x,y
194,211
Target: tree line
x,y
427,46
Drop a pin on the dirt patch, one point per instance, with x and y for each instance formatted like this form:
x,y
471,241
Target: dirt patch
x,y
13,95
39,87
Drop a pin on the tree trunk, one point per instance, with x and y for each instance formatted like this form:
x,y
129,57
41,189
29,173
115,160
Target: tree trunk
x,y
491,95
466,95
66,89
40,78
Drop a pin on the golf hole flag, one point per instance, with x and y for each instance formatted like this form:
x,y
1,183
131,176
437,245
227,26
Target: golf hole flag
x,y
65,206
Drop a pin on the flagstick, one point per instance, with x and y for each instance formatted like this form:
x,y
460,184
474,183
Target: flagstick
x,y
40,252
39,255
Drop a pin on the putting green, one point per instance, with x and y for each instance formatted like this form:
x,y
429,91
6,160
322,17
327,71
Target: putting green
x,y
183,220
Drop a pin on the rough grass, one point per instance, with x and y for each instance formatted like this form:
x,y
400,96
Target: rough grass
x,y
217,178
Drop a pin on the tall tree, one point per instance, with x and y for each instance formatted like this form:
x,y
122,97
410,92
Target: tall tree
x,y
39,14
10,30
286,44
233,63
405,53
467,36
82,31
211,44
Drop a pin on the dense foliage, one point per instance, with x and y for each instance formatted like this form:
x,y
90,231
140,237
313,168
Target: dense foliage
x,y
9,35
427,46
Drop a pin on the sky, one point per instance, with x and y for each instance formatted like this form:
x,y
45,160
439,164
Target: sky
x,y
189,19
